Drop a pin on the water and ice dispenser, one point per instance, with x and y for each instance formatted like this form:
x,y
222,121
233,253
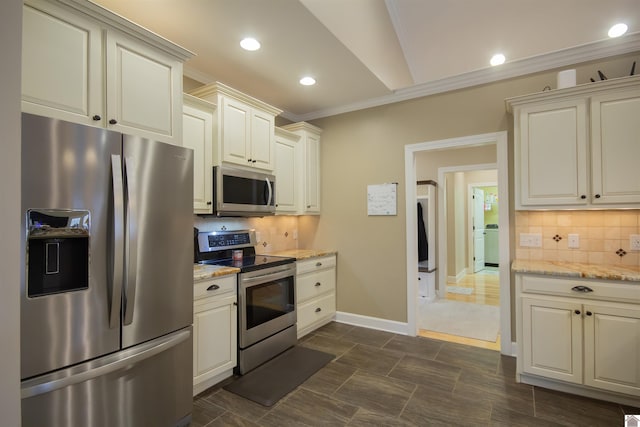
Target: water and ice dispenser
x,y
57,251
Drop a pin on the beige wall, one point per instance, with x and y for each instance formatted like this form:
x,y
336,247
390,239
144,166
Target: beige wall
x,y
10,49
367,147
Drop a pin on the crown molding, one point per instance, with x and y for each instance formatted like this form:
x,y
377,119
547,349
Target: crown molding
x,y
561,58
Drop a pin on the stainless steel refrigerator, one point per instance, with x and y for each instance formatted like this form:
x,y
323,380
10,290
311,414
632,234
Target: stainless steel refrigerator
x,y
107,281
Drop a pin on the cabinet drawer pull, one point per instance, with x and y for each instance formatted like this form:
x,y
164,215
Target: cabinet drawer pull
x,y
318,264
213,288
318,310
318,284
581,288
577,311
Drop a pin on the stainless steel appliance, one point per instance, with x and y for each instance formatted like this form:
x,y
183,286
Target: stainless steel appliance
x,y
107,284
238,192
266,295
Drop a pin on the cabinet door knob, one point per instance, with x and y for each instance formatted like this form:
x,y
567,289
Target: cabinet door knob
x,y
113,122
96,118
318,310
583,197
249,160
318,264
597,196
318,284
213,288
253,161
577,311
235,303
209,203
308,206
589,313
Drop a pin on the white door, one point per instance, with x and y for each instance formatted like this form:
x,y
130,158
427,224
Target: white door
x,y
478,230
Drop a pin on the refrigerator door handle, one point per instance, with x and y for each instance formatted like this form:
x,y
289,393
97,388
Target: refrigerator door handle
x,y
118,241
88,371
131,251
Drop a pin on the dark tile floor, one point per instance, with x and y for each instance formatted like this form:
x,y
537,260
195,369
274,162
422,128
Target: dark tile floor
x,y
382,379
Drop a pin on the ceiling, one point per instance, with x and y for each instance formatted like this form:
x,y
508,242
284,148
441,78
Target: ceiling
x,y
371,52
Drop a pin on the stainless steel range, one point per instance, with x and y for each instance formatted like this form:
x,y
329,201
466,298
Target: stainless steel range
x,y
266,294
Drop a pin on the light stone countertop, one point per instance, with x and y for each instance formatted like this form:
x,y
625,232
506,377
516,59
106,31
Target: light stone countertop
x,y
299,254
569,269
203,271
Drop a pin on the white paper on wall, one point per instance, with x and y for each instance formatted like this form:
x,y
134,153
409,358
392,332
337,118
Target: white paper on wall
x,y
382,199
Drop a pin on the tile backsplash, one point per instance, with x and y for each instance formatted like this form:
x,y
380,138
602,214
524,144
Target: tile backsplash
x,y
603,236
276,233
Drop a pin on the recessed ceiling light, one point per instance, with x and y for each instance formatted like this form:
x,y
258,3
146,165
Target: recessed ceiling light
x,y
307,81
497,59
617,30
250,43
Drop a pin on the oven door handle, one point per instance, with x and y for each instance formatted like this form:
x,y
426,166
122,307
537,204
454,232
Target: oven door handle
x,y
266,277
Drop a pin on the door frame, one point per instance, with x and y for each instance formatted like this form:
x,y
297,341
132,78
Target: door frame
x,y
410,150
470,220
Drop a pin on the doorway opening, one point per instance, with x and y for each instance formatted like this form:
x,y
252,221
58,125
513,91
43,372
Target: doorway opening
x,y
444,257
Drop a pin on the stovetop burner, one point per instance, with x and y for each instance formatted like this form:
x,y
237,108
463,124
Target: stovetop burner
x,y
250,263
216,247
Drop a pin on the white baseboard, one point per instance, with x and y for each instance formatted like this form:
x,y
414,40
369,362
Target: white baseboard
x,y
457,278
393,326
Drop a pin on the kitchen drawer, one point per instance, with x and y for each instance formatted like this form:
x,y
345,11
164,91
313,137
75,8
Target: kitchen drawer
x,y
311,285
316,310
215,287
315,264
604,291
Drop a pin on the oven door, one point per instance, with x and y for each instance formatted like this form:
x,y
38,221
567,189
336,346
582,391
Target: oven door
x,y
266,303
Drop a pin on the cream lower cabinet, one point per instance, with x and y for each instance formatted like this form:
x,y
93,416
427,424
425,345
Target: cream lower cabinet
x,y
588,340
315,293
214,331
198,118
84,64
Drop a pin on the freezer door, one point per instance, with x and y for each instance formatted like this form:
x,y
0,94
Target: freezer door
x,y
158,288
147,385
66,279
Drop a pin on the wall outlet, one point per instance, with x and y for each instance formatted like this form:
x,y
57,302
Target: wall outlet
x,y
574,241
531,240
634,242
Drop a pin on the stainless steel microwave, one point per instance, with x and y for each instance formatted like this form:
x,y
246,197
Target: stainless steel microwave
x,y
237,192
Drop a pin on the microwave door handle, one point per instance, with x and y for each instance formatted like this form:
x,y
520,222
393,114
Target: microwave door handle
x,y
270,192
132,240
118,241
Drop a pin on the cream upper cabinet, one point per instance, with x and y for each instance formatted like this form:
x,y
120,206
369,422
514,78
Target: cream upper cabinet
x,y
287,169
245,135
197,133
81,63
576,147
615,145
309,161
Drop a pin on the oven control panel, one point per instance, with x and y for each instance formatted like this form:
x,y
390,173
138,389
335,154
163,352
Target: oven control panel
x,y
210,241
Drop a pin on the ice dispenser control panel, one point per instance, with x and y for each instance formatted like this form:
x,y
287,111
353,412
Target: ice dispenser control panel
x,y
57,251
